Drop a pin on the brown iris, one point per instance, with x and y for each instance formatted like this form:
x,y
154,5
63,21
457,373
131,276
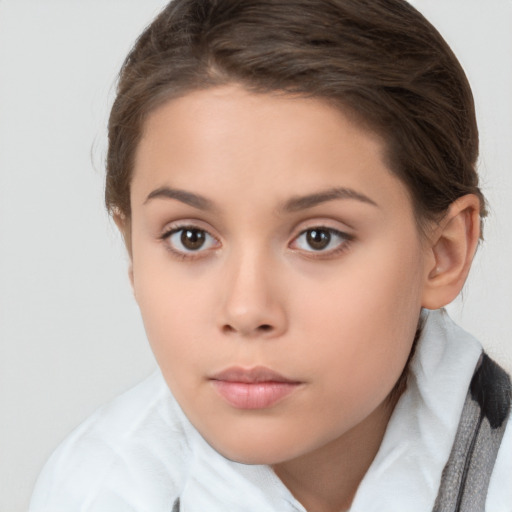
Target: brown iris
x,y
318,239
192,239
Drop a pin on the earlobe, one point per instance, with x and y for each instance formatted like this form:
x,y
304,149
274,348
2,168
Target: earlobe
x,y
452,248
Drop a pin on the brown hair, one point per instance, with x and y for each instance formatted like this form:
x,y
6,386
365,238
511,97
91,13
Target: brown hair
x,y
378,59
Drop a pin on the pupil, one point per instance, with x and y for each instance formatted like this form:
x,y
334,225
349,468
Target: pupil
x,y
192,239
318,239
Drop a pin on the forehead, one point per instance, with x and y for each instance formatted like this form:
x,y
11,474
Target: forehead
x,y
227,141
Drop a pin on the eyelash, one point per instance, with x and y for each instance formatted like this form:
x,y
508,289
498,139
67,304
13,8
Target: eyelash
x,y
342,246
184,255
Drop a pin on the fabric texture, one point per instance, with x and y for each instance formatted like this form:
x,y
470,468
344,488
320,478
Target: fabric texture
x,y
140,453
467,473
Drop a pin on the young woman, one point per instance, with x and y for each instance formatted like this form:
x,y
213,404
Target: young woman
x,y
295,183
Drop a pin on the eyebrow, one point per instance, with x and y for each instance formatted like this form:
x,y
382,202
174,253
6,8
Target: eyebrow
x,y
195,200
309,201
294,204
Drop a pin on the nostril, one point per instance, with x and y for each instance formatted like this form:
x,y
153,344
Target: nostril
x,y
263,328
228,328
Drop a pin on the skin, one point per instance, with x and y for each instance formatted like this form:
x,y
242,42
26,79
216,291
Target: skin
x,y
339,320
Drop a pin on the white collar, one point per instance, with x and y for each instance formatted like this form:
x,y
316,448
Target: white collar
x,y
406,471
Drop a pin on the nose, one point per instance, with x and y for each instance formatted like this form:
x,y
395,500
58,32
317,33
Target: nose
x,y
252,304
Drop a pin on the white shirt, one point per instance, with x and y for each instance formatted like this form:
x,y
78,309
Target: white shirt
x,y
139,452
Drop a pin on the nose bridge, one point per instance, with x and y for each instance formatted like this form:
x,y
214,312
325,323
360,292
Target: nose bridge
x,y
252,303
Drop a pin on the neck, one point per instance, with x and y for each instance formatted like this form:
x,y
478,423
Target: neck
x,y
327,479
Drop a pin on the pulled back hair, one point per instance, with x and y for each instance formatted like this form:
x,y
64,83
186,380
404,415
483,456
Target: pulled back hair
x,y
380,61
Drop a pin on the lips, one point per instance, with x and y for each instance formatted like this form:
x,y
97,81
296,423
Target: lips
x,y
253,388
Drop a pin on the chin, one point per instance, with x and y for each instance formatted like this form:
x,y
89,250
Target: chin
x,y
266,450
253,456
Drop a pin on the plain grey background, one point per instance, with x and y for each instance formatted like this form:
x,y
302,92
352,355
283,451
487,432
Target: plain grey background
x,y
70,333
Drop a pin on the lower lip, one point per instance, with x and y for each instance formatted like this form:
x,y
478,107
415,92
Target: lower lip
x,y
254,395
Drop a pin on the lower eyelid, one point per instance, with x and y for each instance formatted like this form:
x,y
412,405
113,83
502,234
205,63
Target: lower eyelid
x,y
332,231
344,240
184,254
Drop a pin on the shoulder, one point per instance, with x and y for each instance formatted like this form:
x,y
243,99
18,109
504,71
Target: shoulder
x,y
499,496
129,455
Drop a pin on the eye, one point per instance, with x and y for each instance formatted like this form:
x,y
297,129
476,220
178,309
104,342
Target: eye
x,y
189,239
321,239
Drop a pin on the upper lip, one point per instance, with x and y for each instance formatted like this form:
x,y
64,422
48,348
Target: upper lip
x,y
251,375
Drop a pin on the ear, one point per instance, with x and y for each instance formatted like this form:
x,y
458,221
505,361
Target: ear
x,y
124,225
451,250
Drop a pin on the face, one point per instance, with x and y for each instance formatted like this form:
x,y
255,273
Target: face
x,y
278,269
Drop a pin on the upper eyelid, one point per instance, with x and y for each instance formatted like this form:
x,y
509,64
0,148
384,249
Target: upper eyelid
x,y
189,255
322,227
344,244
343,230
172,231
173,227
326,222
337,232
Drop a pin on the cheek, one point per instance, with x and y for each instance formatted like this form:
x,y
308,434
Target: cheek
x,y
362,323
173,308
